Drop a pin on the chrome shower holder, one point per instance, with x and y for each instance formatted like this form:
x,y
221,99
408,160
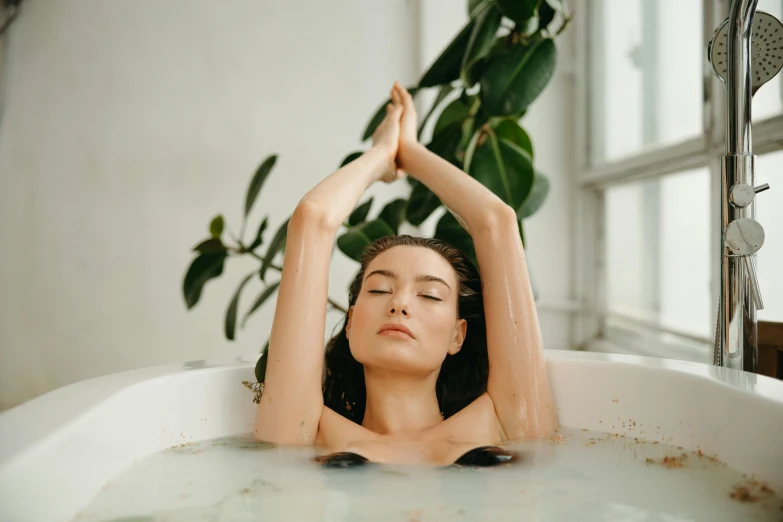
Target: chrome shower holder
x,y
745,52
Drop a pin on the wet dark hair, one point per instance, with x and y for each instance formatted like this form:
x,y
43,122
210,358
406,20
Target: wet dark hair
x,y
463,376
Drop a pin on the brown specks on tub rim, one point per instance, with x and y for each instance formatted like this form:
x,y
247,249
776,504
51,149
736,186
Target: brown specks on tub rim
x,y
669,462
708,457
750,490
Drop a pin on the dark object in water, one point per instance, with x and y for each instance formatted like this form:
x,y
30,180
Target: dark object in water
x,y
343,459
484,456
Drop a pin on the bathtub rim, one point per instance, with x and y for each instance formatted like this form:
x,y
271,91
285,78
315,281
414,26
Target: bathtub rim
x,y
26,425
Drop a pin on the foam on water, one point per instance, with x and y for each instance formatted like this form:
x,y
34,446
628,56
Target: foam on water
x,y
585,476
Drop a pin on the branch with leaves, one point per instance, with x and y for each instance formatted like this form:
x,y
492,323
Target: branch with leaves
x,y
486,79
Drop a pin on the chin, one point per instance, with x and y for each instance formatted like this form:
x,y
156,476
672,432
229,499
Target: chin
x,y
398,357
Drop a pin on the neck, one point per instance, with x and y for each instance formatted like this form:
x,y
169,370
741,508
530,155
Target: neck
x,y
400,403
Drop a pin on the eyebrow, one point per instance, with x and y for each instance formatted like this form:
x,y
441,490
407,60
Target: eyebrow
x,y
423,277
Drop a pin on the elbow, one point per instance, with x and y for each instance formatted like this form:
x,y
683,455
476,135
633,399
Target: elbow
x,y
499,217
309,214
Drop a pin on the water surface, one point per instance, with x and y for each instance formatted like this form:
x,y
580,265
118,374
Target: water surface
x,y
582,476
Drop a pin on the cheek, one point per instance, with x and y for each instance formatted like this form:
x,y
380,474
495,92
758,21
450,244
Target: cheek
x,y
440,324
362,317
361,328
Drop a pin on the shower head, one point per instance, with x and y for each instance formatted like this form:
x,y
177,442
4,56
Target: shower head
x,y
766,49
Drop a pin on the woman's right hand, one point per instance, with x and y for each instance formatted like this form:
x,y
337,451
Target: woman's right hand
x,y
386,140
408,122
409,119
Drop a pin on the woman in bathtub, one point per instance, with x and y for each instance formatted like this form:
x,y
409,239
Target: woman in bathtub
x,y
432,365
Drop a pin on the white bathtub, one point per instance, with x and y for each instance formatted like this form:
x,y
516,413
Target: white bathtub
x,y
57,451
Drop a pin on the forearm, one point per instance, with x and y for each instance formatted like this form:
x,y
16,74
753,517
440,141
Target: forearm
x,y
336,196
470,200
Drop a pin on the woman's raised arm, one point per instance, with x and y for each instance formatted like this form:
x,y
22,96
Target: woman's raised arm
x,y
292,401
518,382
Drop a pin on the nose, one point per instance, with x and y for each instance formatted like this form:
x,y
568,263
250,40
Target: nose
x,y
398,305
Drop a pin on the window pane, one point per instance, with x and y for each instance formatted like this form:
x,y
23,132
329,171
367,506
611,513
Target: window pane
x,y
647,75
769,212
768,102
657,252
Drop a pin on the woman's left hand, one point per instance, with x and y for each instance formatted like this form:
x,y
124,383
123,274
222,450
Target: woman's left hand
x,y
386,139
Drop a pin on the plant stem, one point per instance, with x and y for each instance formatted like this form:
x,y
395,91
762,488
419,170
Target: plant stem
x,y
562,27
231,233
336,306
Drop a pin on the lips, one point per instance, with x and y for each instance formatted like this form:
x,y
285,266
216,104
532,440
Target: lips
x,y
396,327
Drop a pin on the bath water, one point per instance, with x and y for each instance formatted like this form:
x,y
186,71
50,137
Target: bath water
x,y
579,476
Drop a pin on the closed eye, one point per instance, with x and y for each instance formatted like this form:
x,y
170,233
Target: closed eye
x,y
430,297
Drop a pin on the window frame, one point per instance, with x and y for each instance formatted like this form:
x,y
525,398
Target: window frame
x,y
590,330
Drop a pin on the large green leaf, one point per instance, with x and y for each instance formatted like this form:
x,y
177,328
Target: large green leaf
x,y
477,6
261,299
480,43
202,269
359,213
518,10
380,114
355,240
393,214
511,82
503,168
444,91
277,244
449,230
536,197
212,245
446,67
259,235
502,45
216,226
455,112
231,313
421,204
260,369
350,157
446,142
509,129
258,181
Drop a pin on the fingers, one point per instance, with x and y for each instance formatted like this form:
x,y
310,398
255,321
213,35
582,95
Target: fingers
x,y
394,109
403,96
396,98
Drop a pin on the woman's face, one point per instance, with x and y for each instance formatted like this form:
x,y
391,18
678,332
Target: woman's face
x,y
413,287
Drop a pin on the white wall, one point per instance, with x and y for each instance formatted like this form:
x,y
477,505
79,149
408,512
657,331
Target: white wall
x,y
128,125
